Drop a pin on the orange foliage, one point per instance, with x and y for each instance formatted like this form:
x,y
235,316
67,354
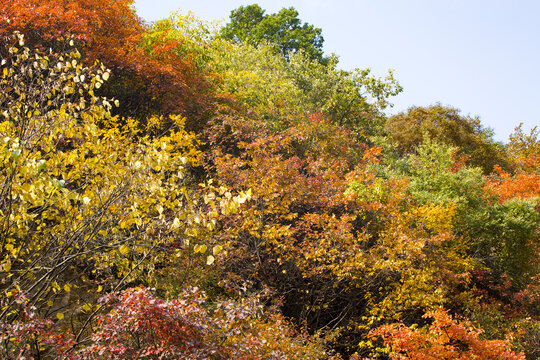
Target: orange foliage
x,y
144,80
142,325
298,179
445,338
523,185
110,29
326,233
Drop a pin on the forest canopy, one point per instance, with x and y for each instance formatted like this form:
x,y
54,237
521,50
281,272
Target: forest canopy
x,y
178,190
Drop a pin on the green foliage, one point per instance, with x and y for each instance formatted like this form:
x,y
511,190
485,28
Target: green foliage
x,y
506,237
502,236
348,98
282,93
499,319
522,146
436,179
251,25
190,37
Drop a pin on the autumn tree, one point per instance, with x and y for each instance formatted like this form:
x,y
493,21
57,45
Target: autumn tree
x,y
141,325
297,208
444,338
149,79
447,126
88,205
522,145
334,224
338,253
281,93
501,236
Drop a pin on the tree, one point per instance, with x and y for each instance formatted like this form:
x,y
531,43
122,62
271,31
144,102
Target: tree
x,y
522,145
445,125
338,235
147,75
524,151
140,325
352,259
502,236
445,339
86,203
284,29
281,93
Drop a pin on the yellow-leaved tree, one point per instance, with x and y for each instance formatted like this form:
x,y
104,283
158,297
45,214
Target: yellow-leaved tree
x,y
86,205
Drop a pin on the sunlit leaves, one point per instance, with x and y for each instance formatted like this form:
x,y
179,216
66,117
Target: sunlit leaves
x,y
446,125
522,145
343,235
148,76
37,93
84,194
183,327
445,338
282,92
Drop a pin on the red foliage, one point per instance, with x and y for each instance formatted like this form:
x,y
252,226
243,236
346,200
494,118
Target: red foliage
x,y
142,326
497,291
24,338
110,29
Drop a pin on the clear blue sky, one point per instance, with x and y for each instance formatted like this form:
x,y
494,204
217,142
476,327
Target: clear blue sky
x,y
481,56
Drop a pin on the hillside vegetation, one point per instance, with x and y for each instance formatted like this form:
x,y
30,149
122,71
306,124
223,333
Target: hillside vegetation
x,y
176,190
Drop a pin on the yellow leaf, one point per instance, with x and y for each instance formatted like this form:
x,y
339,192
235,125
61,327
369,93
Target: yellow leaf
x,y
59,316
99,288
217,249
67,288
176,223
123,249
210,260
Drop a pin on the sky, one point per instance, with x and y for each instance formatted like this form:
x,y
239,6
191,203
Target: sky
x,y
480,56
